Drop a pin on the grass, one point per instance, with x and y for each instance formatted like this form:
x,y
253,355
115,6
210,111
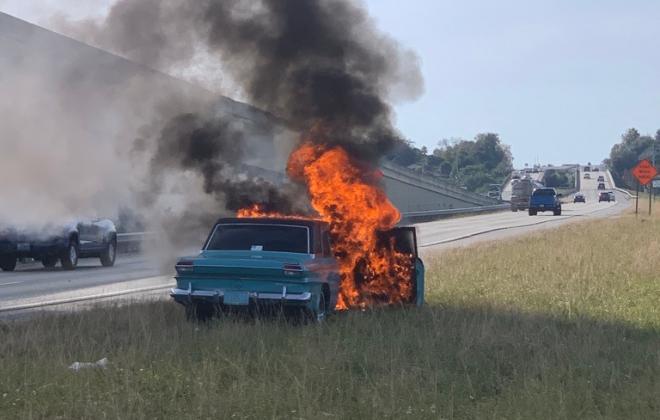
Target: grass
x,y
560,325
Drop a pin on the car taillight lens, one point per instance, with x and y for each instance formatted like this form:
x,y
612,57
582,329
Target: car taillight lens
x,y
292,269
184,266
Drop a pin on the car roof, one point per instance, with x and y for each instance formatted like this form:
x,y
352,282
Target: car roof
x,y
271,221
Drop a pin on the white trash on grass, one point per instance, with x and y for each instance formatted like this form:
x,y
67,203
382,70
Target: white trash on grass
x,y
100,364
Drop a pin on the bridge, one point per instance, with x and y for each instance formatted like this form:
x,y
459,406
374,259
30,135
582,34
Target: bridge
x,y
109,87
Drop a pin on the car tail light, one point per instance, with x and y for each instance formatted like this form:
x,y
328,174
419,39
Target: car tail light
x,y
292,269
185,266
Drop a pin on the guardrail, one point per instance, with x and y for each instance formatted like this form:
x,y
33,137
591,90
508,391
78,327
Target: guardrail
x,y
131,241
427,214
621,190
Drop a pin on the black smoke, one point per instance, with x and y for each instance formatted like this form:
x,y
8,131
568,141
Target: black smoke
x,y
212,147
319,65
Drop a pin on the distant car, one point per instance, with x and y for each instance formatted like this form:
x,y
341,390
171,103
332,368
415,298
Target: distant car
x,y
79,239
587,176
260,263
595,169
601,178
601,185
579,198
612,196
605,196
545,199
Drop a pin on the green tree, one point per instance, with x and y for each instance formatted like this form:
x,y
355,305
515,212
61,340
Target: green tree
x,y
625,155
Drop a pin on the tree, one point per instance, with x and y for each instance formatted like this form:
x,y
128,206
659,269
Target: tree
x,y
477,163
625,155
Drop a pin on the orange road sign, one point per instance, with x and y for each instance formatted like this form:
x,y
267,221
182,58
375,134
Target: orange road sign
x,y
644,172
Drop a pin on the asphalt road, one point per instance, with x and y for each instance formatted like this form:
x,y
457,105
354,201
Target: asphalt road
x,y
31,285
467,230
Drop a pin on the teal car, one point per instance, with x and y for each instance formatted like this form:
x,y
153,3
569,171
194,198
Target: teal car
x,y
269,263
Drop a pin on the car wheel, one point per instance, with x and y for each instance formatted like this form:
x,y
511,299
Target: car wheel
x,y
69,258
532,212
557,212
49,262
8,263
320,312
109,255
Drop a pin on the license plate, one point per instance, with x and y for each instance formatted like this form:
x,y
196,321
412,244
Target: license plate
x,y
236,298
23,247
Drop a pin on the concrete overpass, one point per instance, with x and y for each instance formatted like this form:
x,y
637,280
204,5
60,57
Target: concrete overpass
x,y
110,97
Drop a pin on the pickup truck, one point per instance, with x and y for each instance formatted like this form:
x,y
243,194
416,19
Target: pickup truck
x,y
67,243
545,199
272,263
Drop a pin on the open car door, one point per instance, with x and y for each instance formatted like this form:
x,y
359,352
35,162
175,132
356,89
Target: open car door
x,y
405,241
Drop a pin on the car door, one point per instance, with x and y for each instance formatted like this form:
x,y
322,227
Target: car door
x,y
405,241
89,236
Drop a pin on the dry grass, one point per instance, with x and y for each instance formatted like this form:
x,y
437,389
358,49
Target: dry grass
x,y
562,325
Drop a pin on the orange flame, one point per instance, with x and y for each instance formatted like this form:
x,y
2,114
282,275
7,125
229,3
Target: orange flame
x,y
346,196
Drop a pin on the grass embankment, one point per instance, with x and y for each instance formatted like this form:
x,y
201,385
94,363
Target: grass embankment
x,y
567,327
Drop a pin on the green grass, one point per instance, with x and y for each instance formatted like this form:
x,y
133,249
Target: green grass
x,y
562,325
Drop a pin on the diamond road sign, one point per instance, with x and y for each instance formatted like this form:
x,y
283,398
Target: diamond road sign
x,y
644,172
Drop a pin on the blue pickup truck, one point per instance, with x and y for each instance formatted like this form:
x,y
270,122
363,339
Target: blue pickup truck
x,y
545,199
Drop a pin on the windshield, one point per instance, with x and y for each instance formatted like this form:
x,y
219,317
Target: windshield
x,y
255,237
544,192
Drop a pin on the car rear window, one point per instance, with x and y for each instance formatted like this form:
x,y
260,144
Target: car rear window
x,y
543,192
256,237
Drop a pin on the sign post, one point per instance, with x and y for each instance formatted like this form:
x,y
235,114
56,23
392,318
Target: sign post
x,y
644,172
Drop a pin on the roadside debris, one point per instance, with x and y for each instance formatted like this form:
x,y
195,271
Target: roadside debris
x,y
100,364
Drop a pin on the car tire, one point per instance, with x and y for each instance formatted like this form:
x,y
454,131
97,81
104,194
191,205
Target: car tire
x,y
69,258
557,212
532,212
8,263
49,262
320,312
109,255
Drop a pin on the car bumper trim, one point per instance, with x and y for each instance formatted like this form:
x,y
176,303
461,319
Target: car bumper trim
x,y
190,294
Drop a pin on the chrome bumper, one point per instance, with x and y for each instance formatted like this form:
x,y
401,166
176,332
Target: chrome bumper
x,y
190,294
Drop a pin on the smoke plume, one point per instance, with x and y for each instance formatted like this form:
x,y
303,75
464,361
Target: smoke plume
x,y
321,66
83,133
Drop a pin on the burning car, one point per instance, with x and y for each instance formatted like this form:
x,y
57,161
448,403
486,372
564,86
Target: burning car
x,y
264,263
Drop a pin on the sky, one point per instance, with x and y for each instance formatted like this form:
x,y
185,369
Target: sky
x,y
558,80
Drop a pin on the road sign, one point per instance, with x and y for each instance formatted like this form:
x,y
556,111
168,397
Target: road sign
x,y
644,172
656,183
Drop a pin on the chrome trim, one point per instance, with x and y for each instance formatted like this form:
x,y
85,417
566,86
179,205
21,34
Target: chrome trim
x,y
305,296
189,293
195,293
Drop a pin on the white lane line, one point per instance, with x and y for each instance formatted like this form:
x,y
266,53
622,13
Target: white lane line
x,y
82,298
9,284
490,230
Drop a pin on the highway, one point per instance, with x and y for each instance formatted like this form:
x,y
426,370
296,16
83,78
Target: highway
x,y
33,286
467,230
